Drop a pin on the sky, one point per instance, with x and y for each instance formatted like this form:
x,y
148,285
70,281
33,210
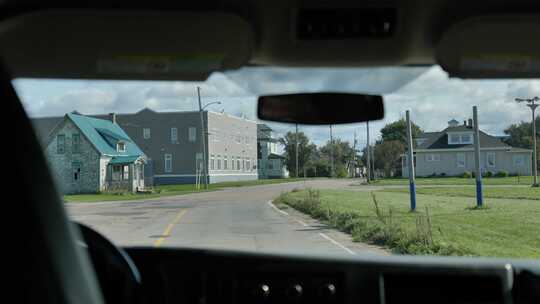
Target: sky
x,y
427,92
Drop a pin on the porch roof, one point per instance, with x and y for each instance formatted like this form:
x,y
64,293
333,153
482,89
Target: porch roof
x,y
128,159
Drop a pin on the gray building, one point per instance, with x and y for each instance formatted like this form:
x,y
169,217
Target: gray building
x,y
451,151
89,155
270,163
172,142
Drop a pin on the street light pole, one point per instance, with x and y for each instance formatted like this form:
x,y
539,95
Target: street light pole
x,y
203,137
531,104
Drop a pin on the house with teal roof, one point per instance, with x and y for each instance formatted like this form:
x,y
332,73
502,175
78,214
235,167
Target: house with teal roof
x,y
89,155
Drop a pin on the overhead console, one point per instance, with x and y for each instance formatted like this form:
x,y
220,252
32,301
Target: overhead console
x,y
202,276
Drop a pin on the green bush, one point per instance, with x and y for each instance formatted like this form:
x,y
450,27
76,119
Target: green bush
x,y
443,174
502,173
488,174
466,174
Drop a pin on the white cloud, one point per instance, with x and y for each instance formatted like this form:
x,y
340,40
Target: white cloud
x,y
432,98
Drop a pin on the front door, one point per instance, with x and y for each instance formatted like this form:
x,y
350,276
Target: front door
x,y
76,176
139,175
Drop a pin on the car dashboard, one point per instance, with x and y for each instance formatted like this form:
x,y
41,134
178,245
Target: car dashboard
x,y
213,276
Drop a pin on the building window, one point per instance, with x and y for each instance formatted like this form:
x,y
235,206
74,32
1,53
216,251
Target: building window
x,y
225,162
121,146
460,138
219,162
249,165
168,163
192,134
455,139
233,161
116,173
146,133
433,157
519,160
490,159
270,165
461,160
125,172
174,135
60,144
466,138
76,143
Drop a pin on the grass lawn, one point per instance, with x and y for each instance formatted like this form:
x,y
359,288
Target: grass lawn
x,y
507,228
528,193
168,190
514,180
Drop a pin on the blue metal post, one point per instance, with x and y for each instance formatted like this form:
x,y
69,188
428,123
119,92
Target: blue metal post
x,y
412,187
479,196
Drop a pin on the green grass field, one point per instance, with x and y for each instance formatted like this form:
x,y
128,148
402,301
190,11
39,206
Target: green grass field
x,y
168,190
514,180
508,227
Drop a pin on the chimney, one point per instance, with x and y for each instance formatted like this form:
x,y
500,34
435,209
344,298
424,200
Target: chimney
x,y
112,117
470,122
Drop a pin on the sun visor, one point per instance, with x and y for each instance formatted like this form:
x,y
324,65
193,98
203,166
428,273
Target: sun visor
x,y
492,47
125,45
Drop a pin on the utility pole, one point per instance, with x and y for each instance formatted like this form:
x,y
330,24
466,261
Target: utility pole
x,y
412,187
203,141
368,155
479,196
531,104
331,153
297,143
354,157
203,138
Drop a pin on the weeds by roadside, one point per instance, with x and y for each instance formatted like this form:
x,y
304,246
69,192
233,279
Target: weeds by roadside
x,y
383,229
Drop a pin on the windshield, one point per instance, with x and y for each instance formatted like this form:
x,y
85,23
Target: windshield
x,y
188,164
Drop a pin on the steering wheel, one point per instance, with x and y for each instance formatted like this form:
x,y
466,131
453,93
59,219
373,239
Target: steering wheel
x,y
118,277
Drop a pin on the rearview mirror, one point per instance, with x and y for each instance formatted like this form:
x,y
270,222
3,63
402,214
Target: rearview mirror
x,y
320,108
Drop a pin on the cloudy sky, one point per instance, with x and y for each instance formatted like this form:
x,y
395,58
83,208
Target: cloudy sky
x,y
431,96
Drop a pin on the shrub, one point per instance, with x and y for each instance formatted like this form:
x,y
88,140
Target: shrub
x,y
488,174
502,173
443,174
466,174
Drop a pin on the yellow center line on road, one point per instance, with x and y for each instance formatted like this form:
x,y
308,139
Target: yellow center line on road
x,y
167,231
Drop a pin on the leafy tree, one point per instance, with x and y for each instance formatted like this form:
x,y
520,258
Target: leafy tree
x,y
342,153
520,136
305,151
397,130
388,156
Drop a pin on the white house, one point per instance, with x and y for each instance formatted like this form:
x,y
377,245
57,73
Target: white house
x,y
451,152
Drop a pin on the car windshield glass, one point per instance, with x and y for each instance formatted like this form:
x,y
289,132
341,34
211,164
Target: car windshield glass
x,y
188,164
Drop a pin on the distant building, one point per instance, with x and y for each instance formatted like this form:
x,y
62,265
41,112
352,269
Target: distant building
x,y
270,163
173,144
89,155
451,152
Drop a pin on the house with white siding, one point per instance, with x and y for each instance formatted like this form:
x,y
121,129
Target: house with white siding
x,y
450,152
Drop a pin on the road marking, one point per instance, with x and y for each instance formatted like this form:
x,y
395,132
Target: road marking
x,y
337,243
276,208
169,228
302,223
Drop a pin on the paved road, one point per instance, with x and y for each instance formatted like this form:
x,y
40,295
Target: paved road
x,y
236,218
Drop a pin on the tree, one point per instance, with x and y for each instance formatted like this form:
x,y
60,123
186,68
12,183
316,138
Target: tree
x,y
342,153
397,130
393,143
305,152
520,136
388,156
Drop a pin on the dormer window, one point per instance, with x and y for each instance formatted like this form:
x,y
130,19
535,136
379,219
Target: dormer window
x,y
121,146
463,138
